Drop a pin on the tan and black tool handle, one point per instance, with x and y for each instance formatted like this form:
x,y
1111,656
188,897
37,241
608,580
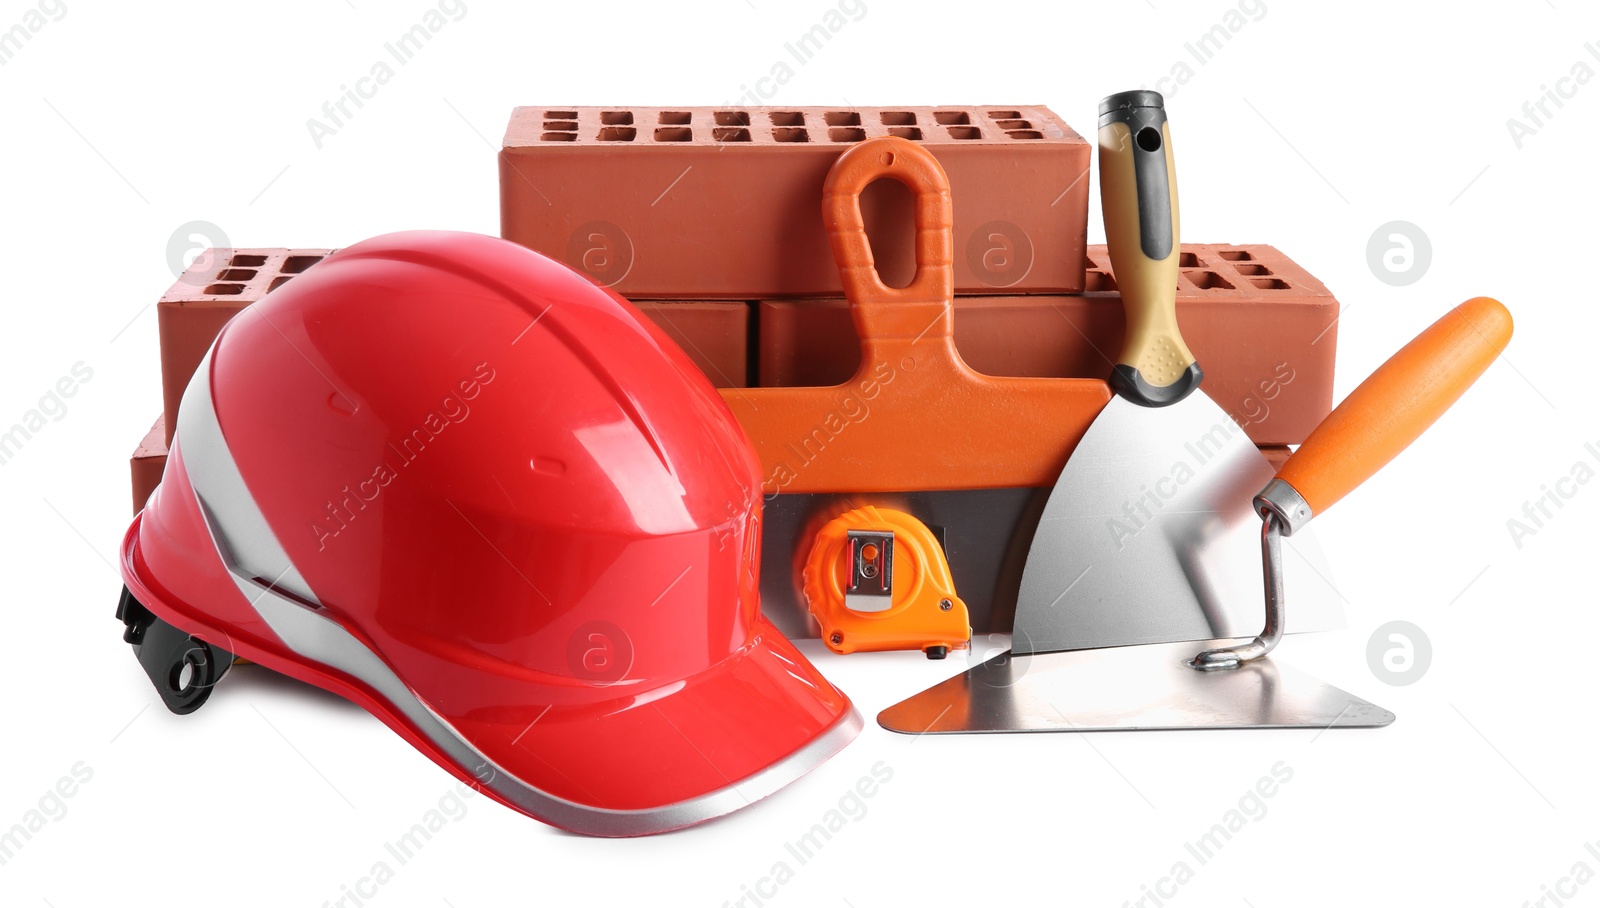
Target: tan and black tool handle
x,y
1139,198
1389,410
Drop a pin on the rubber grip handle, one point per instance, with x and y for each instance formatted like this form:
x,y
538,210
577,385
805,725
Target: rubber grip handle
x,y
1398,402
922,308
1139,200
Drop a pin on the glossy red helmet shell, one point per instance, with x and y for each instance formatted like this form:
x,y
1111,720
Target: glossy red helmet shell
x,y
458,483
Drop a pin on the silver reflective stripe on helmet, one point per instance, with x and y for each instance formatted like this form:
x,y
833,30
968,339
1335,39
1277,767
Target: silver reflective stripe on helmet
x,y
260,567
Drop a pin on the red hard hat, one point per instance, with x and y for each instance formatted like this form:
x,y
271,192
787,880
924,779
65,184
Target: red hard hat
x,y
464,487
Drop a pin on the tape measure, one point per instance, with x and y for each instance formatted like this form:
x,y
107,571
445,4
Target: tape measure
x,y
877,579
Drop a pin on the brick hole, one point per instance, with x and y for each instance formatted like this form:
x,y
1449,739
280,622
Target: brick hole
x,y
674,134
236,274
1014,124
846,134
561,125
897,118
1236,255
1269,283
224,289
558,137
675,117
1098,282
842,118
1188,260
730,134
1024,134
907,132
791,135
1252,269
561,115
248,261
617,133
951,117
616,117
295,264
1208,280
1006,114
964,132
732,117
279,282
787,118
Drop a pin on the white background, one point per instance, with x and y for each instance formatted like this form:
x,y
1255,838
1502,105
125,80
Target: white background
x,y
1307,131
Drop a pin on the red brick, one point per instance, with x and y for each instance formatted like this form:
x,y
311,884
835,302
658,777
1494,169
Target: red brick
x,y
707,203
715,334
148,461
220,285
1249,313
214,289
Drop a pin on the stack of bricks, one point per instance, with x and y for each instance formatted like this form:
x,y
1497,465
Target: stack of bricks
x,y
716,212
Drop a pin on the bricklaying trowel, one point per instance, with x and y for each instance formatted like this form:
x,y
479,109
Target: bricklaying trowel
x,y
1154,511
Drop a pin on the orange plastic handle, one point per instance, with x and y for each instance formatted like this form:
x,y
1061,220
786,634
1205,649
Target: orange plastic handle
x,y
1398,402
921,309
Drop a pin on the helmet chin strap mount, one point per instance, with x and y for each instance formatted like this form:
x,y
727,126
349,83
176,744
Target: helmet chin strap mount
x,y
182,668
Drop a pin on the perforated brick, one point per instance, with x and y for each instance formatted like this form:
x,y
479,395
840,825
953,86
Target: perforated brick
x,y
700,203
214,289
1263,329
222,283
147,463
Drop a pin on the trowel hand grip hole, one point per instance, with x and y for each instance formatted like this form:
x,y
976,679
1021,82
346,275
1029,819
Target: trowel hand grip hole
x,y
887,211
1149,139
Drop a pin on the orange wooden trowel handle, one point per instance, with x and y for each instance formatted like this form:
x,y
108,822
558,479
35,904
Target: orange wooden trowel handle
x,y
1394,406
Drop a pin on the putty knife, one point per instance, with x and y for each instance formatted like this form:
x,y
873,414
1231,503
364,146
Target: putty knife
x,y
1148,535
1169,685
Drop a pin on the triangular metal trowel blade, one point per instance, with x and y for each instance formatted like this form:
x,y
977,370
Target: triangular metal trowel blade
x,y
1128,688
1149,536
